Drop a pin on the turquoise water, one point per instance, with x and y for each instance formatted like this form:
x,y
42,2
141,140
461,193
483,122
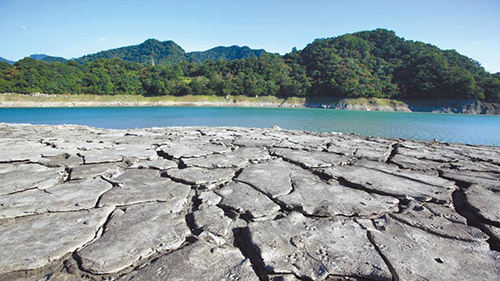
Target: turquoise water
x,y
472,129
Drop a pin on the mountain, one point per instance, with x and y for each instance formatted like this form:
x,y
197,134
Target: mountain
x,y
54,59
38,56
225,53
164,53
6,60
168,52
378,63
47,58
367,64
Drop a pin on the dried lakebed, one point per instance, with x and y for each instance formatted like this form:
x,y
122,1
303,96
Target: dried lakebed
x,y
81,203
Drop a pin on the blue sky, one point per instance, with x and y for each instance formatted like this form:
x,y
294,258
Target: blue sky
x,y
75,28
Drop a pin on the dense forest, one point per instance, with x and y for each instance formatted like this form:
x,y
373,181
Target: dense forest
x,y
47,58
365,64
168,52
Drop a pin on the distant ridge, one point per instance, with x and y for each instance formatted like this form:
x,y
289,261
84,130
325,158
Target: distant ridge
x,y
38,56
161,52
227,53
168,52
6,60
47,58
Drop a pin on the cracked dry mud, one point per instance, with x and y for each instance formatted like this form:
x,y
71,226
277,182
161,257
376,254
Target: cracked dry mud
x,y
81,203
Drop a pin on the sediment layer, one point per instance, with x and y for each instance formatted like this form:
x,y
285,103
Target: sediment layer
x,y
37,100
81,203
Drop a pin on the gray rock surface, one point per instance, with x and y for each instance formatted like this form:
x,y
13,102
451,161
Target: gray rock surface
x,y
439,220
145,185
209,198
245,199
201,176
481,198
19,177
311,159
373,149
187,203
215,161
191,149
95,170
314,248
199,261
409,249
133,234
118,153
251,153
490,179
255,141
159,164
61,160
68,196
36,241
393,184
315,197
213,223
271,178
14,151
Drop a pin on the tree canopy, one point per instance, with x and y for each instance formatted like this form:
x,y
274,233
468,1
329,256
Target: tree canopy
x,y
365,64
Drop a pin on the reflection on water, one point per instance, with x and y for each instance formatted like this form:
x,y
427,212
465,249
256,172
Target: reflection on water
x,y
472,129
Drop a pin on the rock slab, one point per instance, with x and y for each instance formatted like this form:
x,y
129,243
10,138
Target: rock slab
x,y
183,203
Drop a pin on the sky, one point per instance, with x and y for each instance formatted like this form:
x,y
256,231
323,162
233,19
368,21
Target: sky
x,y
73,28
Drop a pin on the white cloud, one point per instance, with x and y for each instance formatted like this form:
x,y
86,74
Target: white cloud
x,y
103,39
23,27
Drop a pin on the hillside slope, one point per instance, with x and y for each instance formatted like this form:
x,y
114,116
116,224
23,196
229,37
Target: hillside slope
x,y
367,64
225,53
168,52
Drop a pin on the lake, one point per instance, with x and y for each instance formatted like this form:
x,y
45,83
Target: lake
x,y
471,129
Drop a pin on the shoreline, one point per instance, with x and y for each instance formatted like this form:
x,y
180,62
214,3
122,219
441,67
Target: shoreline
x,y
10,100
146,104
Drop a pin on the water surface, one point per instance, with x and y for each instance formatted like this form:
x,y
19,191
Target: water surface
x,y
472,129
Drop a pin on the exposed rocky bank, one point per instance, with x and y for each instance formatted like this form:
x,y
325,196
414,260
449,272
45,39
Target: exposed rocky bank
x,y
12,100
81,203
435,106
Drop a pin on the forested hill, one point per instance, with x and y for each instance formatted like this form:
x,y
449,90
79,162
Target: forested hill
x,y
168,52
364,64
225,53
47,58
378,63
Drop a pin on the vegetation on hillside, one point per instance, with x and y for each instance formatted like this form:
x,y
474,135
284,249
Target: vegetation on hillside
x,y
360,65
224,53
47,58
167,52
